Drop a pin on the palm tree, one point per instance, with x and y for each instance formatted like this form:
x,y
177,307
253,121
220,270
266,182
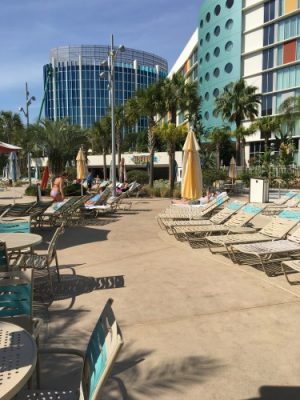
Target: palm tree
x,y
100,136
267,125
289,110
60,140
180,96
119,125
238,102
147,103
218,136
240,134
172,135
11,126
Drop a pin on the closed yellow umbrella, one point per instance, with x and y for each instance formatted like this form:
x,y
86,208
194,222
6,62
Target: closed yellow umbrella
x,y
191,187
80,164
81,167
232,170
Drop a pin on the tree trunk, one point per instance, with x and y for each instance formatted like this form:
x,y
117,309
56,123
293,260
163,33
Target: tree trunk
x,y
151,148
171,171
218,157
173,116
243,157
238,152
151,167
104,166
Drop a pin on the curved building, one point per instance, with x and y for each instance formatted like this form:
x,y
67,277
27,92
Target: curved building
x,y
220,44
75,89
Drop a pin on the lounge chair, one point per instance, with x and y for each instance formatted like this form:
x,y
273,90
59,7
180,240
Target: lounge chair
x,y
236,224
267,252
41,262
276,229
190,212
102,351
18,210
290,266
54,215
274,209
180,228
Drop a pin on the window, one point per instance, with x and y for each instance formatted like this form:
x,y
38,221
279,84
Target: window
x,y
206,115
201,23
207,76
207,57
207,37
216,72
289,52
207,17
228,68
201,60
228,46
288,77
269,10
217,51
217,10
229,3
206,96
266,105
201,42
268,34
215,113
229,24
216,92
267,82
217,31
268,58
289,28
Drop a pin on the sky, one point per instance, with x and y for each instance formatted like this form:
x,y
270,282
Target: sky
x,y
30,28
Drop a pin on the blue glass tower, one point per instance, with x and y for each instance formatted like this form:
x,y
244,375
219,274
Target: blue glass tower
x,y
77,91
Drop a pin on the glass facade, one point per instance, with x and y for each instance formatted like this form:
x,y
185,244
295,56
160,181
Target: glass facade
x,y
77,91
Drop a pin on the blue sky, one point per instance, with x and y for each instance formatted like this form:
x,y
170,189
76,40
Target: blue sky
x,y
30,28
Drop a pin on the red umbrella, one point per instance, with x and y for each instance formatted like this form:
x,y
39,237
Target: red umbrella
x,y
45,178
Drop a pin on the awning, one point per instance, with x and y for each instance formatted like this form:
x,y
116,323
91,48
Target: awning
x,y
8,148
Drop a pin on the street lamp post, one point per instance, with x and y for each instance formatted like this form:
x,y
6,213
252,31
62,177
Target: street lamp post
x,y
29,100
111,75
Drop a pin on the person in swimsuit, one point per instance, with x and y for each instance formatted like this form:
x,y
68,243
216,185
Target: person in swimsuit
x,y
57,191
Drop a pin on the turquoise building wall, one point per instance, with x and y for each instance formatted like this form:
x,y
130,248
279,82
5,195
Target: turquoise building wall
x,y
219,55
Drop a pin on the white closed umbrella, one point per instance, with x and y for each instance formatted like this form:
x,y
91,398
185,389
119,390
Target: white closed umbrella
x,y
13,167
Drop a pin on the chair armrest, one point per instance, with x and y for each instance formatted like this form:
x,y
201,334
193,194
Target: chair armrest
x,y
59,350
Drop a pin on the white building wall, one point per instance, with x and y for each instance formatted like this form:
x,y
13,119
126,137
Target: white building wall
x,y
253,63
248,3
254,17
253,40
185,54
255,81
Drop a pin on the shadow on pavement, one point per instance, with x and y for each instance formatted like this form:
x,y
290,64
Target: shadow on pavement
x,y
278,393
133,379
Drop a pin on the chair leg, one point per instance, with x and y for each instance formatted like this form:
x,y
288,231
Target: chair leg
x,y
57,267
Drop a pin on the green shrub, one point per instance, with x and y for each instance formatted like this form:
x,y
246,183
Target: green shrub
x,y
138,175
32,191
73,190
212,175
245,177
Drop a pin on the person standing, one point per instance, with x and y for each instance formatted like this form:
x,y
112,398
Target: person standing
x,y
57,191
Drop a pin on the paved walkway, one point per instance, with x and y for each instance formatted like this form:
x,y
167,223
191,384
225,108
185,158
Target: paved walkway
x,y
195,325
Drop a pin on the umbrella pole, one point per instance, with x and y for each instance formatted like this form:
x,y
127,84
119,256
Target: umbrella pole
x,y
81,187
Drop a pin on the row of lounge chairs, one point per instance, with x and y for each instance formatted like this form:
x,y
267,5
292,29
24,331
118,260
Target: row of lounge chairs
x,y
228,232
72,210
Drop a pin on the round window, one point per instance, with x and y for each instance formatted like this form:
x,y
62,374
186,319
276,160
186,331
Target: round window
x,y
228,68
207,57
207,76
207,37
217,31
201,23
217,51
216,92
207,17
200,61
229,46
206,96
206,115
201,42
229,3
200,79
215,113
216,72
229,24
217,10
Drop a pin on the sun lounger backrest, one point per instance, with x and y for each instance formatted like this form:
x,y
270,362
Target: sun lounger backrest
x,y
290,214
244,215
278,227
230,209
295,236
283,199
294,201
